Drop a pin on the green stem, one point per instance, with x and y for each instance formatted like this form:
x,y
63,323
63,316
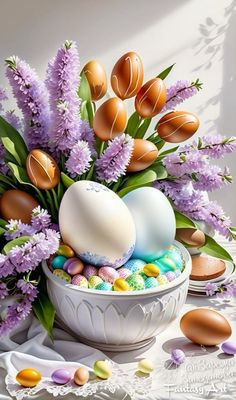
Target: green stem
x,y
51,203
55,199
101,148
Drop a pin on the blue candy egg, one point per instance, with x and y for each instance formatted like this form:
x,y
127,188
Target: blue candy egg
x,y
165,264
150,283
134,265
175,255
104,286
58,262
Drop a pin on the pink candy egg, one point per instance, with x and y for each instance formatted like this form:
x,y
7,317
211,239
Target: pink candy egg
x,y
89,270
124,272
79,280
73,266
108,274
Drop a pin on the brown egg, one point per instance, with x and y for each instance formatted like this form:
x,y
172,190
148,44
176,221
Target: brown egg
x,y
127,75
205,327
205,267
97,79
192,237
42,169
110,119
151,98
177,126
144,154
16,204
81,376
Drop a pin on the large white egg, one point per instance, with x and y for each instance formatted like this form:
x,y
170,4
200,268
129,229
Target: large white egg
x,y
154,222
97,224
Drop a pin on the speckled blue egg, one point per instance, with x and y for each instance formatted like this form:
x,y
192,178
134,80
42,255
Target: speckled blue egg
x,y
104,286
165,264
150,283
58,262
135,265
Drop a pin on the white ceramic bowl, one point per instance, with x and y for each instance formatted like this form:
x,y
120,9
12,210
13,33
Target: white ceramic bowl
x,y
118,321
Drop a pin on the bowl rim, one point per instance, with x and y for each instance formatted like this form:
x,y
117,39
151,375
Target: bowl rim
x,y
144,293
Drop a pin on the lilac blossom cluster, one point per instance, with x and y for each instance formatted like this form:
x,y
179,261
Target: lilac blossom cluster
x,y
225,292
179,92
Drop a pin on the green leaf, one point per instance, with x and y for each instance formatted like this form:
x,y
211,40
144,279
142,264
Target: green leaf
x,y
6,180
67,181
84,91
3,223
133,124
144,178
212,248
169,151
83,111
10,147
60,192
7,131
161,172
16,242
143,128
166,72
2,231
182,221
90,112
45,312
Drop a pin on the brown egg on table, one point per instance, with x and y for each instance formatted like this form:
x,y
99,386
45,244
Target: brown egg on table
x,y
110,119
205,267
81,376
177,126
144,154
97,79
190,236
205,327
127,75
151,98
42,169
16,204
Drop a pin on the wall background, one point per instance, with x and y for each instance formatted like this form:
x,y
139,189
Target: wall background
x,y
198,35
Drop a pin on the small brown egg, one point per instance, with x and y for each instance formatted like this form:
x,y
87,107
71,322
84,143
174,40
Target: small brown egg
x,y
205,267
205,327
16,204
177,126
96,77
28,377
42,169
144,154
127,75
151,98
192,237
110,119
81,376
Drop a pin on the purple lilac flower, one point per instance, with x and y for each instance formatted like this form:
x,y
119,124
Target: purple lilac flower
x,y
15,314
62,83
113,162
79,159
217,219
27,288
3,97
231,289
3,166
15,229
211,178
216,146
179,92
211,289
13,120
32,99
6,267
40,220
3,290
88,135
185,163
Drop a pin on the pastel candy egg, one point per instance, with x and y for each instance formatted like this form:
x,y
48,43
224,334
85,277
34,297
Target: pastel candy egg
x,y
89,270
104,286
81,376
136,282
151,270
176,256
162,279
229,348
177,273
165,264
58,262
62,275
80,280
120,285
28,377
145,366
150,283
108,274
143,275
66,251
94,281
102,369
134,265
124,272
75,267
170,275
177,356
61,376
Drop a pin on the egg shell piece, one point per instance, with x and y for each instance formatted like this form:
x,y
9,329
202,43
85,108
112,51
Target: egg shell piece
x,y
59,273
162,279
205,326
136,282
229,347
151,270
58,262
120,285
134,265
75,267
90,270
80,280
81,376
124,272
104,286
102,369
28,377
108,234
61,376
145,366
108,274
94,281
66,251
177,356
155,225
150,283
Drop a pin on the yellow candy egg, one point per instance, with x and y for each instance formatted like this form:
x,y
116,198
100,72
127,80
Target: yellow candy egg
x,y
151,270
145,366
28,377
66,251
94,281
120,285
